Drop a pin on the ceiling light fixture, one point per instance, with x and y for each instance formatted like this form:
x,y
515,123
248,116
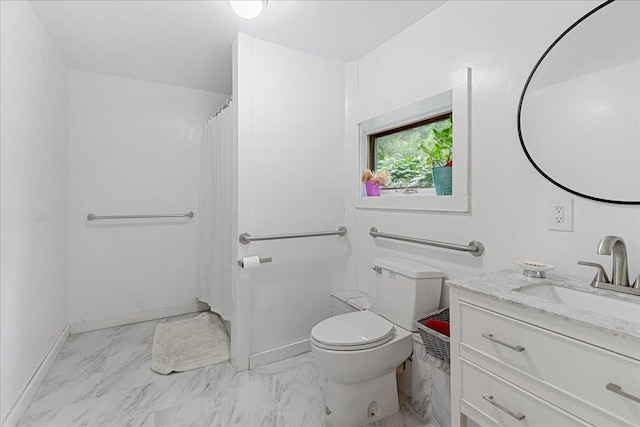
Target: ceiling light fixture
x,y
248,9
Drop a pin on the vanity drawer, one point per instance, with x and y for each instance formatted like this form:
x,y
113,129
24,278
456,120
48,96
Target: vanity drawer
x,y
503,404
563,370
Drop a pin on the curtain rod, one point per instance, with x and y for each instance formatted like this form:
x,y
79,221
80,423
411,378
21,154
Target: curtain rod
x,y
224,106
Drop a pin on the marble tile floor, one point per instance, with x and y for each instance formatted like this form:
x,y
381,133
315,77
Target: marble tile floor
x,y
103,378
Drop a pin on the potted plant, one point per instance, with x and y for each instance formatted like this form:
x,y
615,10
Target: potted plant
x,y
440,158
373,181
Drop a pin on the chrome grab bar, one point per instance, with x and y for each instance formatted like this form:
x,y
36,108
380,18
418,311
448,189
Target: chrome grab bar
x,y
517,348
93,217
475,248
246,238
618,390
517,415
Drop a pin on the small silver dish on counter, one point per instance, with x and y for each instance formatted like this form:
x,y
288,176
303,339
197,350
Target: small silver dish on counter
x,y
535,269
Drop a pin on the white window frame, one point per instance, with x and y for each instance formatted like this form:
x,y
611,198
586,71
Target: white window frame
x,y
455,100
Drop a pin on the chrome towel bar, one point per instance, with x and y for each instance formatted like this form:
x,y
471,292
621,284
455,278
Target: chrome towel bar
x,y
93,217
475,248
246,238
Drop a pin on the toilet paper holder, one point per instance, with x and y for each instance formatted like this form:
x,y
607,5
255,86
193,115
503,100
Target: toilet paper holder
x,y
262,261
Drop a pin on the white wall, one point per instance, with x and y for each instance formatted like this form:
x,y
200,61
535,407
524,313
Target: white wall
x,y
500,41
33,197
290,144
134,148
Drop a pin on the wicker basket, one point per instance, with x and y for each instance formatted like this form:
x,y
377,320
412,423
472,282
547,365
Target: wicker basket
x,y
435,343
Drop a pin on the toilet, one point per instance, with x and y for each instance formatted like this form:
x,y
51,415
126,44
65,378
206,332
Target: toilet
x,y
359,352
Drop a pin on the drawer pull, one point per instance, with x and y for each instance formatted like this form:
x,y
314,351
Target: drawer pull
x,y
490,337
618,390
517,415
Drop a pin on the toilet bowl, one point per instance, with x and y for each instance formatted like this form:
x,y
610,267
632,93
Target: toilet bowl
x,y
359,352
360,367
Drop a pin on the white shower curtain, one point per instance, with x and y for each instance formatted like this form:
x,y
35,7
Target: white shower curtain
x,y
214,261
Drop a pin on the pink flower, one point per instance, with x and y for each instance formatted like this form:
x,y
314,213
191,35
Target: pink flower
x,y
367,175
380,178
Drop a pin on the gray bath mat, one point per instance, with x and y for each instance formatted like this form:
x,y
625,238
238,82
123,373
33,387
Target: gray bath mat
x,y
189,344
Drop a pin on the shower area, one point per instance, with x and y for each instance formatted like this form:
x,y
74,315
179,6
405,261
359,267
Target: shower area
x,y
268,162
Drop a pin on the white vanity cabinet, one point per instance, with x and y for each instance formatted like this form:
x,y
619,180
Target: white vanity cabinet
x,y
516,366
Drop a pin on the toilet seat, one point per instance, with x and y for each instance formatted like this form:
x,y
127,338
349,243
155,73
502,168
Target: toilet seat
x,y
359,330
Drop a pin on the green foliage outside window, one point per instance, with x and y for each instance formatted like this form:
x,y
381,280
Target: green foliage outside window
x,y
410,171
410,155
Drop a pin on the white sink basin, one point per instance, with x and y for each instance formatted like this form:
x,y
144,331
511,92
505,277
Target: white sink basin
x,y
612,307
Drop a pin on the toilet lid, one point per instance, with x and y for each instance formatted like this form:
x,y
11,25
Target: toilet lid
x,y
357,330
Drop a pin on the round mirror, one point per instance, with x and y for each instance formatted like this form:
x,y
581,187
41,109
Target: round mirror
x,y
579,113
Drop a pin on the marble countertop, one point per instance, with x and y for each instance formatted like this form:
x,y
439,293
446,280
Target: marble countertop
x,y
502,286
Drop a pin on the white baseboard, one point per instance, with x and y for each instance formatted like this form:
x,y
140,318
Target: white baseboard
x,y
143,316
25,398
280,353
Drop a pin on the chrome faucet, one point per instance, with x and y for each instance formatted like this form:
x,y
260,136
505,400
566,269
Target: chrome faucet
x,y
614,245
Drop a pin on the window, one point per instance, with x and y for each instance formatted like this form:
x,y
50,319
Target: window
x,y
395,136
409,152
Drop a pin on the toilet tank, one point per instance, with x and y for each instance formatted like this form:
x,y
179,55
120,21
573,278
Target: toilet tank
x,y
406,290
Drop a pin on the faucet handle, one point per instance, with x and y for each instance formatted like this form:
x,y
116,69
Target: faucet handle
x,y
601,276
636,284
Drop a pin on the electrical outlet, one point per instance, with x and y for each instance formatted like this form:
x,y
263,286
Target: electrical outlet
x,y
560,214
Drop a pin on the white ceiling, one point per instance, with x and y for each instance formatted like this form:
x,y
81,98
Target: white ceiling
x,y
188,43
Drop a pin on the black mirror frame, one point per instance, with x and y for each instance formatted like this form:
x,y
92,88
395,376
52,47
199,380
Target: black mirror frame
x,y
524,90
